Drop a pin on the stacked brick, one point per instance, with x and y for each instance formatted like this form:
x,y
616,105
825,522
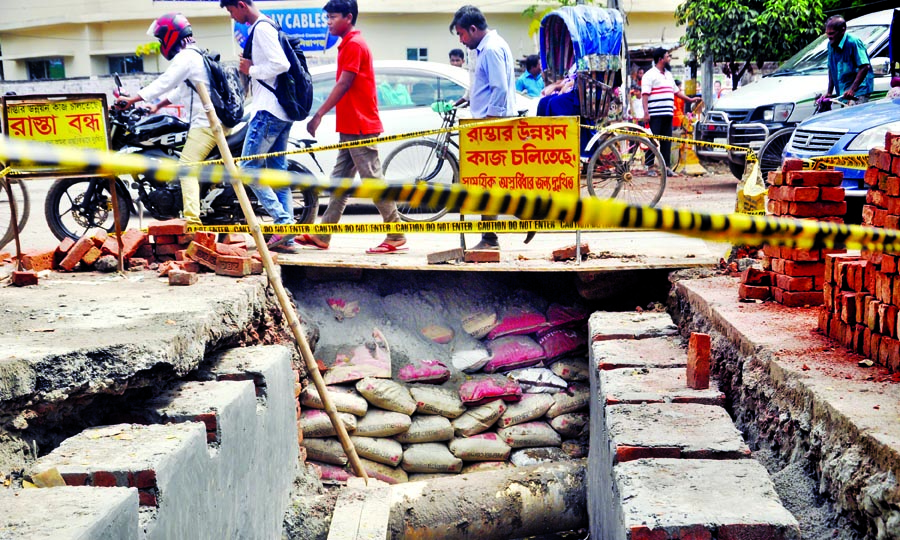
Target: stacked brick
x,y
862,294
796,276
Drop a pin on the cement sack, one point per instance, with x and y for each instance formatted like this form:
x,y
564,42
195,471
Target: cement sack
x,y
385,473
484,447
481,466
485,389
316,423
571,370
479,323
534,456
426,428
530,435
532,407
470,360
325,450
518,321
570,424
538,380
575,449
562,341
387,451
425,477
430,458
382,424
329,473
513,352
440,401
425,371
577,397
387,394
479,419
559,316
345,399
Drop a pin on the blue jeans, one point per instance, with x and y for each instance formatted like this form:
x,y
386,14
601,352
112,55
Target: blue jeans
x,y
266,133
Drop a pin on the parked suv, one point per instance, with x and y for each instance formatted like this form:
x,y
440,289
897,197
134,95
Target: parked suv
x,y
755,112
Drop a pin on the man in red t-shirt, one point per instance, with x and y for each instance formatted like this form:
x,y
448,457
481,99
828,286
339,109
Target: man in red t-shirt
x,y
356,107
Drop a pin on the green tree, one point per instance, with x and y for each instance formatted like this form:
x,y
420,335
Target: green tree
x,y
536,12
743,32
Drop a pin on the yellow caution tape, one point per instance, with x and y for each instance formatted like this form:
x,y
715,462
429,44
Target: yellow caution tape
x,y
433,227
849,161
567,208
751,156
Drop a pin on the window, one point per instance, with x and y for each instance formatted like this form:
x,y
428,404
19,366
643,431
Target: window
x,y
125,64
51,68
420,54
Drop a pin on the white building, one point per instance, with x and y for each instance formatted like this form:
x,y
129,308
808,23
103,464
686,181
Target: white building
x,y
53,39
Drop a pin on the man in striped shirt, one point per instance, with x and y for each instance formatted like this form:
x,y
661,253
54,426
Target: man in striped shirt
x,y
659,91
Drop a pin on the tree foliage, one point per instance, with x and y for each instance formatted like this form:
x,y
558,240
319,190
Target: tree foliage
x,y
742,32
536,12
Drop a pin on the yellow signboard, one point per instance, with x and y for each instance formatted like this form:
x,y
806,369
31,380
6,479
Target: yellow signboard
x,y
68,121
537,154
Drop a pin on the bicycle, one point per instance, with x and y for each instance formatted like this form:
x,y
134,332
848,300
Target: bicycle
x,y
23,208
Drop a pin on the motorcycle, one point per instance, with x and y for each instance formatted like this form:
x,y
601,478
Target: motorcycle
x,y
76,205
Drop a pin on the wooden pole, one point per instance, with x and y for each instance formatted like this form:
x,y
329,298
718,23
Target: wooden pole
x,y
286,307
118,228
7,185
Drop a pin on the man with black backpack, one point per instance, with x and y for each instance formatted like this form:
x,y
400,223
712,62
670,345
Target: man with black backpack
x,y
187,66
263,61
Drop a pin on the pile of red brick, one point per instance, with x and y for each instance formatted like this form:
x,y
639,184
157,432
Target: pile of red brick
x,y
166,247
862,294
796,277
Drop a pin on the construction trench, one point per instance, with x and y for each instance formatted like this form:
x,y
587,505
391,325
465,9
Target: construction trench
x,y
174,412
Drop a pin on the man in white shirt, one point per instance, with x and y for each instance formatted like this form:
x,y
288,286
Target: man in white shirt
x,y
270,126
177,45
658,93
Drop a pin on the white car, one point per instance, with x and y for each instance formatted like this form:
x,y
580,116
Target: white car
x,y
406,90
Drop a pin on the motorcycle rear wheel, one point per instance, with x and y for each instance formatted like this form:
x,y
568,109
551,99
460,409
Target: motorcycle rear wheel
x,y
69,217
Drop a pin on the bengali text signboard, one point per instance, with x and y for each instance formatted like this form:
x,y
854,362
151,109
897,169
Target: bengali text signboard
x,y
537,154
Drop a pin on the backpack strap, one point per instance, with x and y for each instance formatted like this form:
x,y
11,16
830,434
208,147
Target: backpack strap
x,y
248,47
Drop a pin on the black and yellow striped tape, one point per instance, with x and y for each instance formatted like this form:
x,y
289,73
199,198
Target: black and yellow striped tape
x,y
848,161
583,213
432,227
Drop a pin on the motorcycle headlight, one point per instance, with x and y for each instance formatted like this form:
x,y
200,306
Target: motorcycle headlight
x,y
782,112
872,137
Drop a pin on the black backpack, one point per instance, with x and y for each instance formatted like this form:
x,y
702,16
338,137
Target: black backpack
x,y
294,88
224,89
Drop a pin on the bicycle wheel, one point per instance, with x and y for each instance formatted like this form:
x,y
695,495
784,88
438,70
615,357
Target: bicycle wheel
x,y
772,150
629,167
418,161
20,196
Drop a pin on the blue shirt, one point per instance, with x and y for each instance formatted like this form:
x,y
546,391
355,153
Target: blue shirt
x,y
493,87
843,65
530,84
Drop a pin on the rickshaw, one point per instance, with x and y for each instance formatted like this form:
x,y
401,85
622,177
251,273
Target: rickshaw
x,y
619,160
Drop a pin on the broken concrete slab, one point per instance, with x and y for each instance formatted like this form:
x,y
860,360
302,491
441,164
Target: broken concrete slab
x,y
680,498
606,325
653,386
660,352
101,514
362,513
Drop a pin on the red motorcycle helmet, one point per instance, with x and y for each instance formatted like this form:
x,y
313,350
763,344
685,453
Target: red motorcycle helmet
x,y
170,30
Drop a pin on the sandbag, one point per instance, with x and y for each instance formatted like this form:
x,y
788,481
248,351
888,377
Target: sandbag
x,y
440,401
430,458
513,352
382,424
479,323
537,380
316,423
385,473
470,360
387,451
561,341
330,473
517,321
524,457
577,397
575,449
479,419
372,359
531,407
387,394
570,424
484,447
325,450
426,428
571,370
425,371
481,466
530,435
486,389
345,399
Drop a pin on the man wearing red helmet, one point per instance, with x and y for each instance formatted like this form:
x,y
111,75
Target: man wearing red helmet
x,y
176,44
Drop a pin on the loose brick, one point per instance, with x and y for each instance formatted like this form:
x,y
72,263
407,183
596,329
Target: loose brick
x,y
568,253
100,237
868,214
482,256
232,266
777,265
791,164
184,239
136,262
828,296
880,158
171,227
755,276
804,255
698,361
834,194
814,178
890,326
92,255
145,252
776,178
132,240
79,250
803,269
772,251
817,209
879,218
166,267
202,254
888,264
799,299
206,239
232,250
892,142
789,283
190,266
64,246
168,249
753,292
848,307
803,194
24,278
38,260
164,239
870,178
181,278
234,238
